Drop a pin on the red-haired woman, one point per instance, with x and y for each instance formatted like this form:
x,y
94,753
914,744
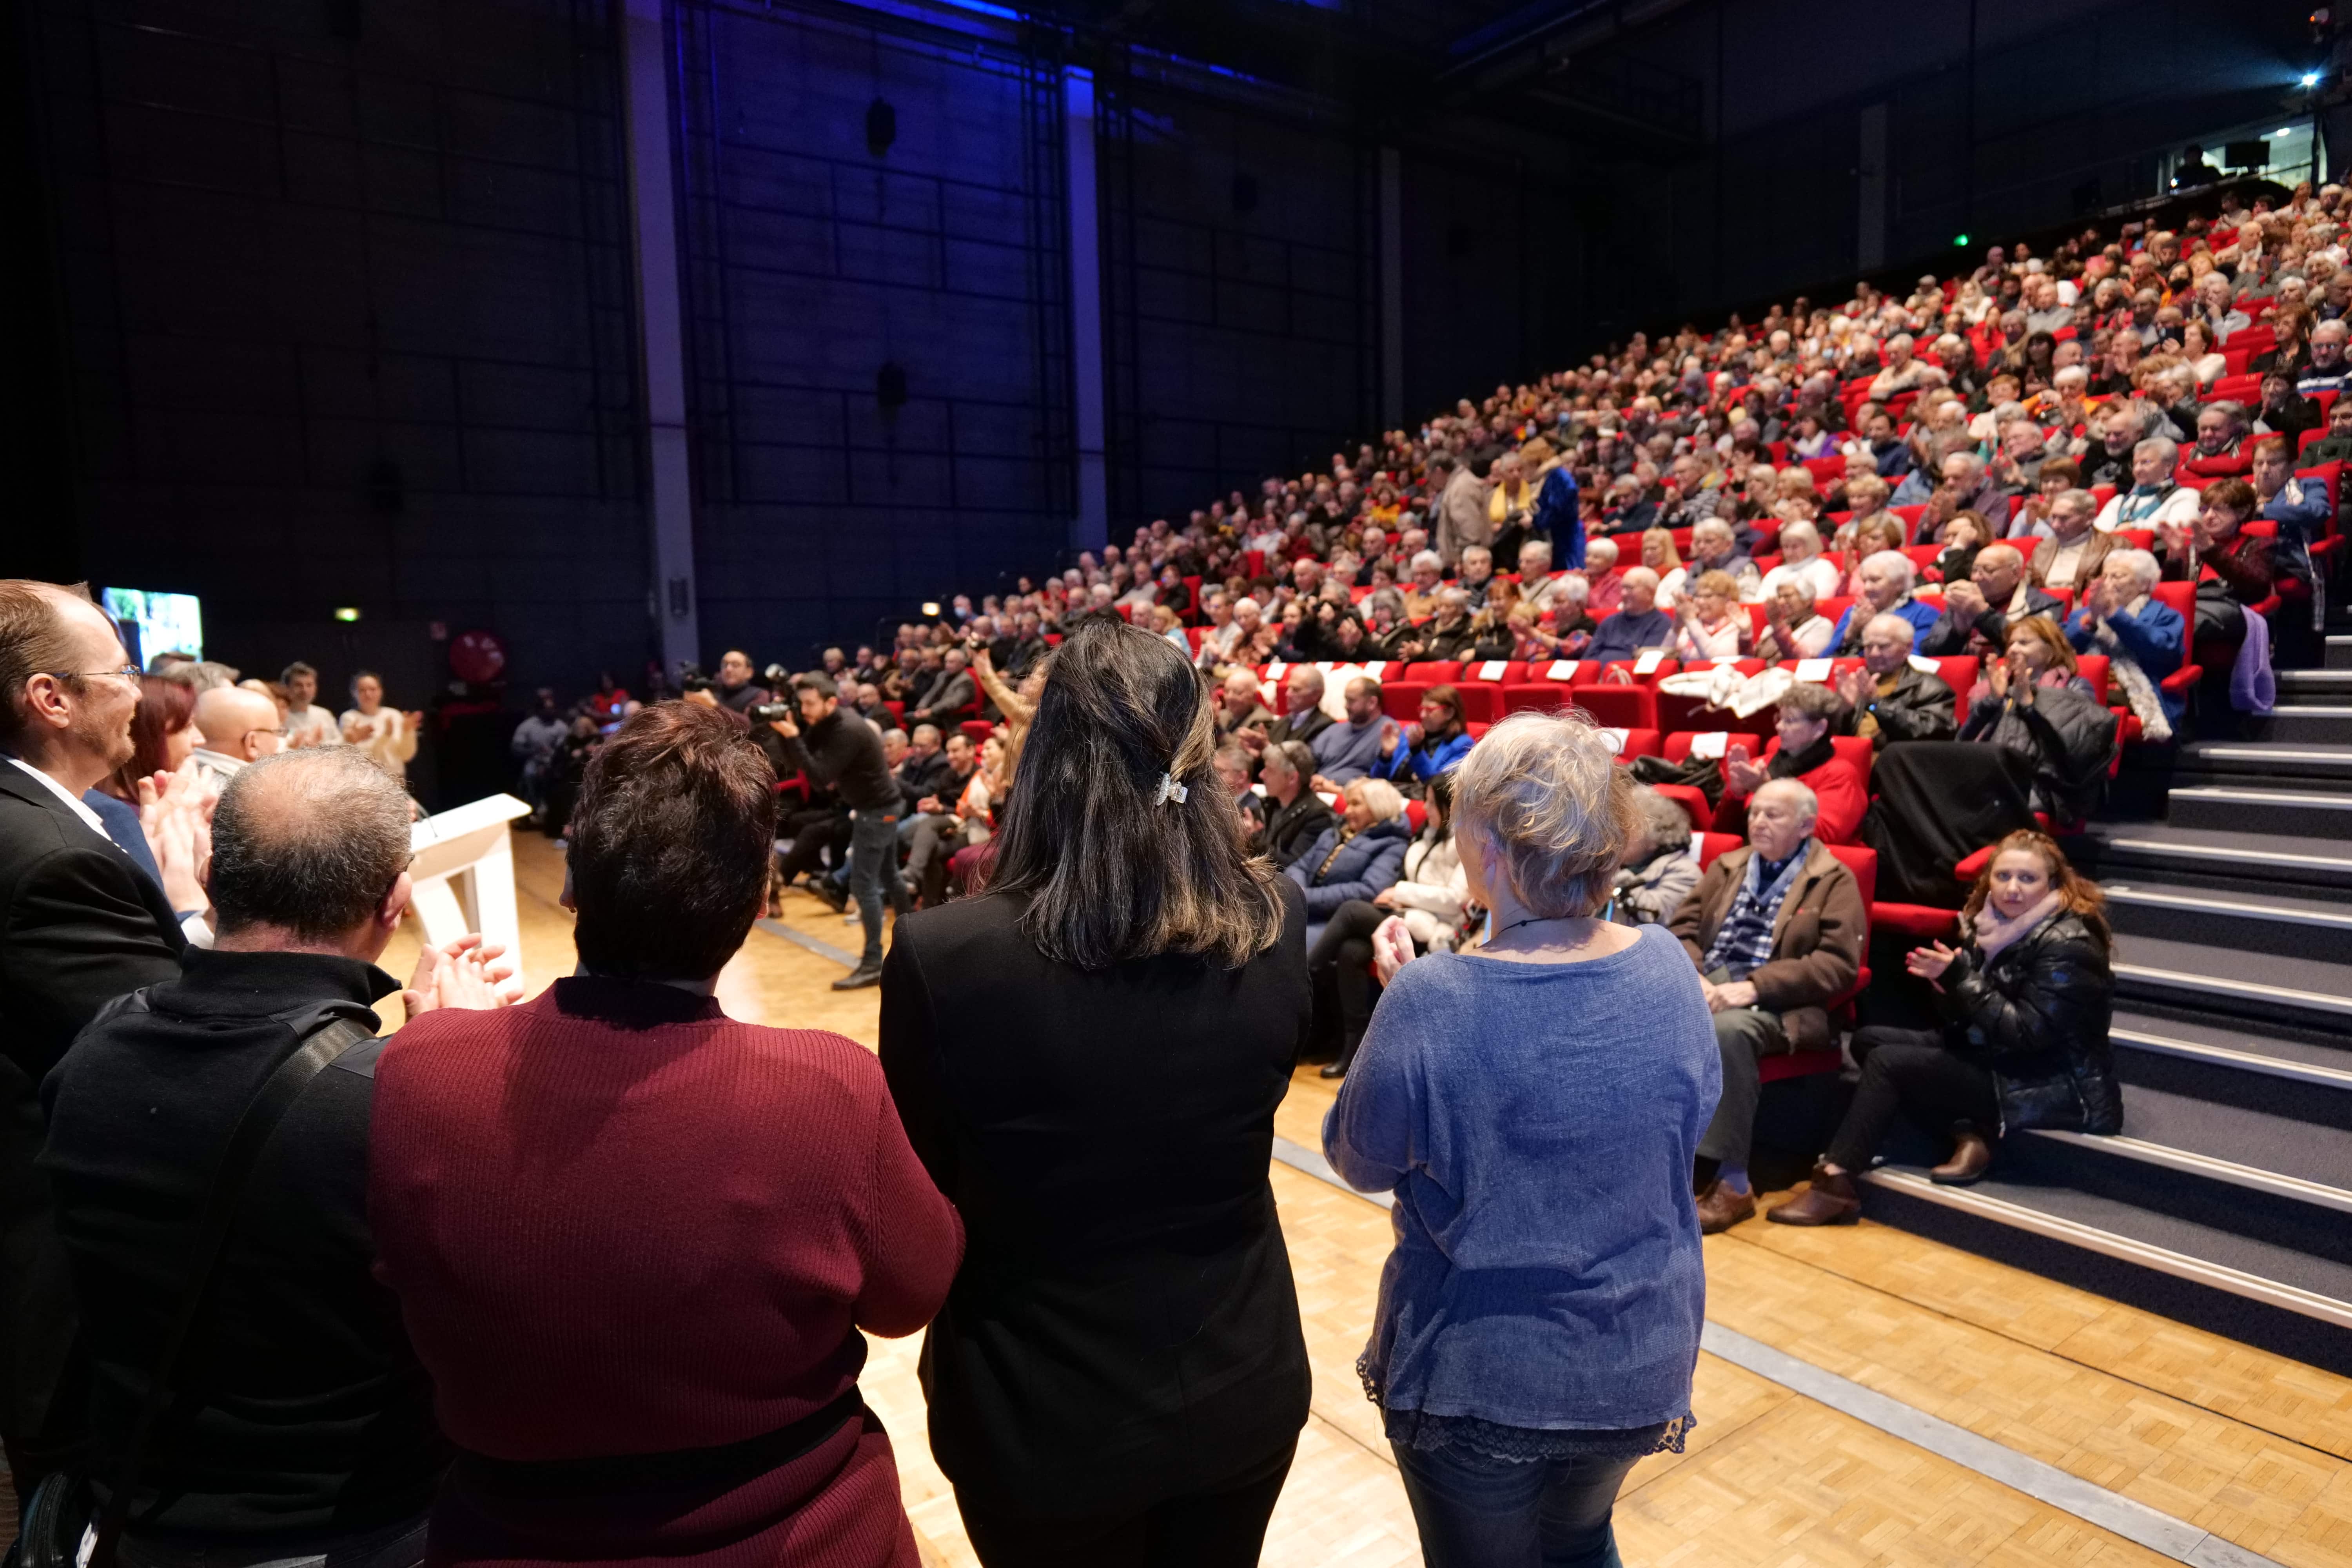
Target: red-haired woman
x,y
2024,1005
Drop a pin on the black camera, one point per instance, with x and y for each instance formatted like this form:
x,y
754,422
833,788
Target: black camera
x,y
769,712
776,676
691,679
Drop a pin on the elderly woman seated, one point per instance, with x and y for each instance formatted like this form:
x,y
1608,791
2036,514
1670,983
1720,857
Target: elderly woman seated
x,y
1658,870
1712,625
2231,568
1360,856
2144,641
1801,561
1793,628
1431,896
2033,702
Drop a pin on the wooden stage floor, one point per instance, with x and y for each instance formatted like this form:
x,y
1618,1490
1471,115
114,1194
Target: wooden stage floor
x,y
2248,1446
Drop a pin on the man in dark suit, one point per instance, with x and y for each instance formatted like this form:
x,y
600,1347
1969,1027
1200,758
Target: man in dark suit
x,y
1978,613
84,925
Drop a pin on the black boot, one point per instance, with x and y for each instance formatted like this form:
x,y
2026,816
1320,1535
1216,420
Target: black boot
x,y
868,973
1347,1059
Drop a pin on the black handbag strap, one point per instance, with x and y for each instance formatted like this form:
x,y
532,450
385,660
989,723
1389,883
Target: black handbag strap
x,y
255,1125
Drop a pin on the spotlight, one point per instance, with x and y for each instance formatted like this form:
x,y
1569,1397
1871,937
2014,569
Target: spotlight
x,y
930,606
348,613
2311,78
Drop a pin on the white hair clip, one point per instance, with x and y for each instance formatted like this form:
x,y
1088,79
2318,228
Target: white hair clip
x,y
1169,790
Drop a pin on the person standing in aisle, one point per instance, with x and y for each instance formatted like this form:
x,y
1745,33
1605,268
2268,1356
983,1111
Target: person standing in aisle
x,y
1087,1058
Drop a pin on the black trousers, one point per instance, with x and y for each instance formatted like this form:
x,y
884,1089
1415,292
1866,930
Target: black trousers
x,y
1910,1072
1341,967
813,832
1223,1528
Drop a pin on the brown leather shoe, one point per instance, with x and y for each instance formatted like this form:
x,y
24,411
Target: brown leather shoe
x,y
1972,1157
1830,1200
1720,1208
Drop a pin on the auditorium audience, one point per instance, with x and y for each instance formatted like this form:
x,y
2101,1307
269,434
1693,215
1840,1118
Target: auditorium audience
x,y
1775,928
2020,1039
1089,1063
1534,1107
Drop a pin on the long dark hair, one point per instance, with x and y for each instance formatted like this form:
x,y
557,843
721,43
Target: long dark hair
x,y
1110,870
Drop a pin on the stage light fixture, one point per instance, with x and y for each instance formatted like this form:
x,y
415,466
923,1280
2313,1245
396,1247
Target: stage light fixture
x,y
930,606
348,613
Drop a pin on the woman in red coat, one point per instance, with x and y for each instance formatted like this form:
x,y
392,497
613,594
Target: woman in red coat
x,y
635,1239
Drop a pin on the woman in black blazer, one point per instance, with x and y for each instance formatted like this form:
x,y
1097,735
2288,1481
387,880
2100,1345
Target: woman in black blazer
x,y
1087,1058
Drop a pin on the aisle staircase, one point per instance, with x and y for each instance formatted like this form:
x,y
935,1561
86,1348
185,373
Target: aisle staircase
x,y
2227,1200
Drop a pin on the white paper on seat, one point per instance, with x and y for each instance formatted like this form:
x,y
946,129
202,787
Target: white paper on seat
x,y
1562,669
1648,663
1375,667
1493,668
1816,670
1924,665
1617,740
1710,745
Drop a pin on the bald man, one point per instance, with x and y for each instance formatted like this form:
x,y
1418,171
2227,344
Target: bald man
x,y
237,726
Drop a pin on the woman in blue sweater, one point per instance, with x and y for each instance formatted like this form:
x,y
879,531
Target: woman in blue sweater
x,y
1536,1106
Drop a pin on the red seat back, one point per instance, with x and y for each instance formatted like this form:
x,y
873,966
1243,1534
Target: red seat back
x,y
1619,707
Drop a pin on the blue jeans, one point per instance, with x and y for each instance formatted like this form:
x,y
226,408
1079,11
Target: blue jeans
x,y
1473,1512
873,857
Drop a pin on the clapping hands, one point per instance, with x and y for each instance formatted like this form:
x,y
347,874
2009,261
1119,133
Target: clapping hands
x,y
470,974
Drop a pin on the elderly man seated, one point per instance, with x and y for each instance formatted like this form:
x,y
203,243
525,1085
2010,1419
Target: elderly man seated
x,y
1978,612
1638,623
1887,699
1886,578
2071,553
1776,930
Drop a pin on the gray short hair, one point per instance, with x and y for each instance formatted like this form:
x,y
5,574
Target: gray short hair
x,y
1544,794
2163,444
1808,805
309,841
2144,565
1663,822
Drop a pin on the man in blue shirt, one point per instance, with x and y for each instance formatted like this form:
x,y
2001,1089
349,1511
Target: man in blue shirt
x,y
1638,623
1346,752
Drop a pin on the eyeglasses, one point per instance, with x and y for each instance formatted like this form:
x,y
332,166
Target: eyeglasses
x,y
127,672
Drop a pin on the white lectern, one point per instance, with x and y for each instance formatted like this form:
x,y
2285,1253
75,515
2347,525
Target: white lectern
x,y
464,873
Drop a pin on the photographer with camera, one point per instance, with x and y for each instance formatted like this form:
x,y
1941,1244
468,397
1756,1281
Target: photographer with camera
x,y
841,751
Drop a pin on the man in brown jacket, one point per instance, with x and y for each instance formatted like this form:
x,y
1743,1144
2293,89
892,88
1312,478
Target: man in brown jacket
x,y
1776,930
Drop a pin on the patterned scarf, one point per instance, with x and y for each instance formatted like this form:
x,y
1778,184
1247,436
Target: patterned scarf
x,y
1743,944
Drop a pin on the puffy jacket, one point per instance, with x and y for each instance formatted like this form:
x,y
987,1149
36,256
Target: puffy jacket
x,y
1364,864
2036,1016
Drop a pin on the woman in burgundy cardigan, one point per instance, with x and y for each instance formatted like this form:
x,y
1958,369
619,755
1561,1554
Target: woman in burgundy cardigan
x,y
635,1239
1087,1058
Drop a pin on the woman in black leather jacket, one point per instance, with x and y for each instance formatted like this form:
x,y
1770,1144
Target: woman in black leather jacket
x,y
2024,1005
